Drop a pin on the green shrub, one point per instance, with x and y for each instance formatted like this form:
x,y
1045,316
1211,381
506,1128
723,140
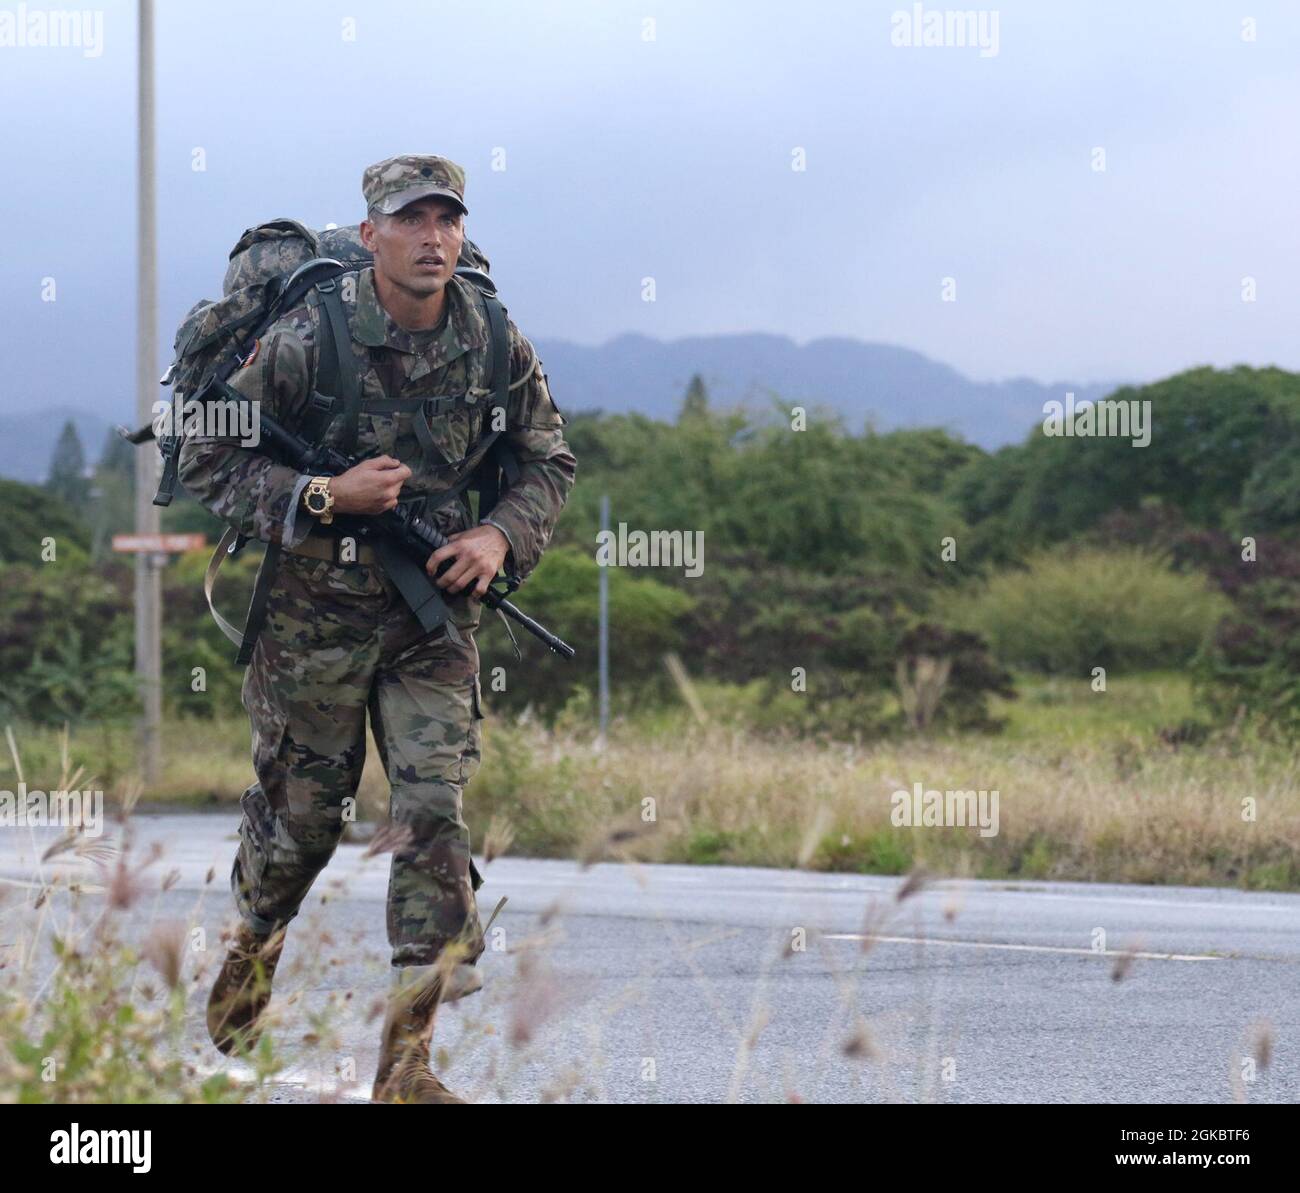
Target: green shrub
x,y
564,595
108,1027
65,644
1069,611
192,640
1252,666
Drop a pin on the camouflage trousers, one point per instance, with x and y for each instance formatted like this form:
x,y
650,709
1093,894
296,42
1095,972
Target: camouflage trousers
x,y
339,643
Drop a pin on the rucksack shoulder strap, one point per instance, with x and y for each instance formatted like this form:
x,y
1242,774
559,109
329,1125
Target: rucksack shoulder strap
x,y
498,458
500,337
337,372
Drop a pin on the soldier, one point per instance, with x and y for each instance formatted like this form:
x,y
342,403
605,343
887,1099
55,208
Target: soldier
x,y
338,640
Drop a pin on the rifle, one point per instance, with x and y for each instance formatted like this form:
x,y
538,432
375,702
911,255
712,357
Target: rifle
x,y
418,538
400,527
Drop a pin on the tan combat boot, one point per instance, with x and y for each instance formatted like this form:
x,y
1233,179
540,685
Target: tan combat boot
x,y
404,1075
242,989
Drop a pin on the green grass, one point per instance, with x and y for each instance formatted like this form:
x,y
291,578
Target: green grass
x,y
1050,712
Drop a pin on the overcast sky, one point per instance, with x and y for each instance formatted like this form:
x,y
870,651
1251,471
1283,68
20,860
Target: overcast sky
x,y
670,157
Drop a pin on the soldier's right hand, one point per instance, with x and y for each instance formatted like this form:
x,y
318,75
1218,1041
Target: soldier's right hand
x,y
369,488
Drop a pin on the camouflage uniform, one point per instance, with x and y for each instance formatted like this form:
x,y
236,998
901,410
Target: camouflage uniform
x,y
339,641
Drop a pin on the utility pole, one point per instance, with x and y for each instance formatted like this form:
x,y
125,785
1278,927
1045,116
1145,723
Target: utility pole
x,y
604,630
148,580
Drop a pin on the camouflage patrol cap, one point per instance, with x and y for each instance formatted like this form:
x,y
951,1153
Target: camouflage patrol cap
x,y
390,185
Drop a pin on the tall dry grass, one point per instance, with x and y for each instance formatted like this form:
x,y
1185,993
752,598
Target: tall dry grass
x,y
1089,812
1092,786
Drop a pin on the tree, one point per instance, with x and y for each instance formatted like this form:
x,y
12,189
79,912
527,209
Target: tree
x,y
32,516
67,479
1215,436
113,492
696,402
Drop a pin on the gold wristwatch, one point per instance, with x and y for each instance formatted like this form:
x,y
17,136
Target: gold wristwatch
x,y
319,500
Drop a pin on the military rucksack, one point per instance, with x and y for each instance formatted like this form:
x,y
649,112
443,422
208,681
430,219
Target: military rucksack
x,y
255,292
274,267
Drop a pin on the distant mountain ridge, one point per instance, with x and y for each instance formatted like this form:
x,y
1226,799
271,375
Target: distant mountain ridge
x,y
889,386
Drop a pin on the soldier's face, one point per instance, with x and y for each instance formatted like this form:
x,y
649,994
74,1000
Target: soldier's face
x,y
417,247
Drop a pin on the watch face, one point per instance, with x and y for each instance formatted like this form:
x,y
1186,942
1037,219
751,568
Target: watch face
x,y
316,503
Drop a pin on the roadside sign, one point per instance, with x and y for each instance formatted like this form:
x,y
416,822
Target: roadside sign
x,y
158,544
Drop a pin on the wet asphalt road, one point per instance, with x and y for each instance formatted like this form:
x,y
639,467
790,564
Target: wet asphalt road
x,y
630,983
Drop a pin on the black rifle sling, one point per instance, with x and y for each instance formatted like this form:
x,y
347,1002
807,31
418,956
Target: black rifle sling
x,y
257,606
167,482
413,582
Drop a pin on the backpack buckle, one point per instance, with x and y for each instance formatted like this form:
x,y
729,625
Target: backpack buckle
x,y
436,406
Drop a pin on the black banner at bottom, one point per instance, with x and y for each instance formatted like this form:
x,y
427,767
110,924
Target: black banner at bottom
x,y
173,1141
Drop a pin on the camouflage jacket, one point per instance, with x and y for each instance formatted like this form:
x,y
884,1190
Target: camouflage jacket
x,y
261,498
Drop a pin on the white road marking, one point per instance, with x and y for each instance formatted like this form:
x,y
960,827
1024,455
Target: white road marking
x,y
1022,948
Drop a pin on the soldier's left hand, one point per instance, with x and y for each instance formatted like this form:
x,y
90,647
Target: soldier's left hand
x,y
477,556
